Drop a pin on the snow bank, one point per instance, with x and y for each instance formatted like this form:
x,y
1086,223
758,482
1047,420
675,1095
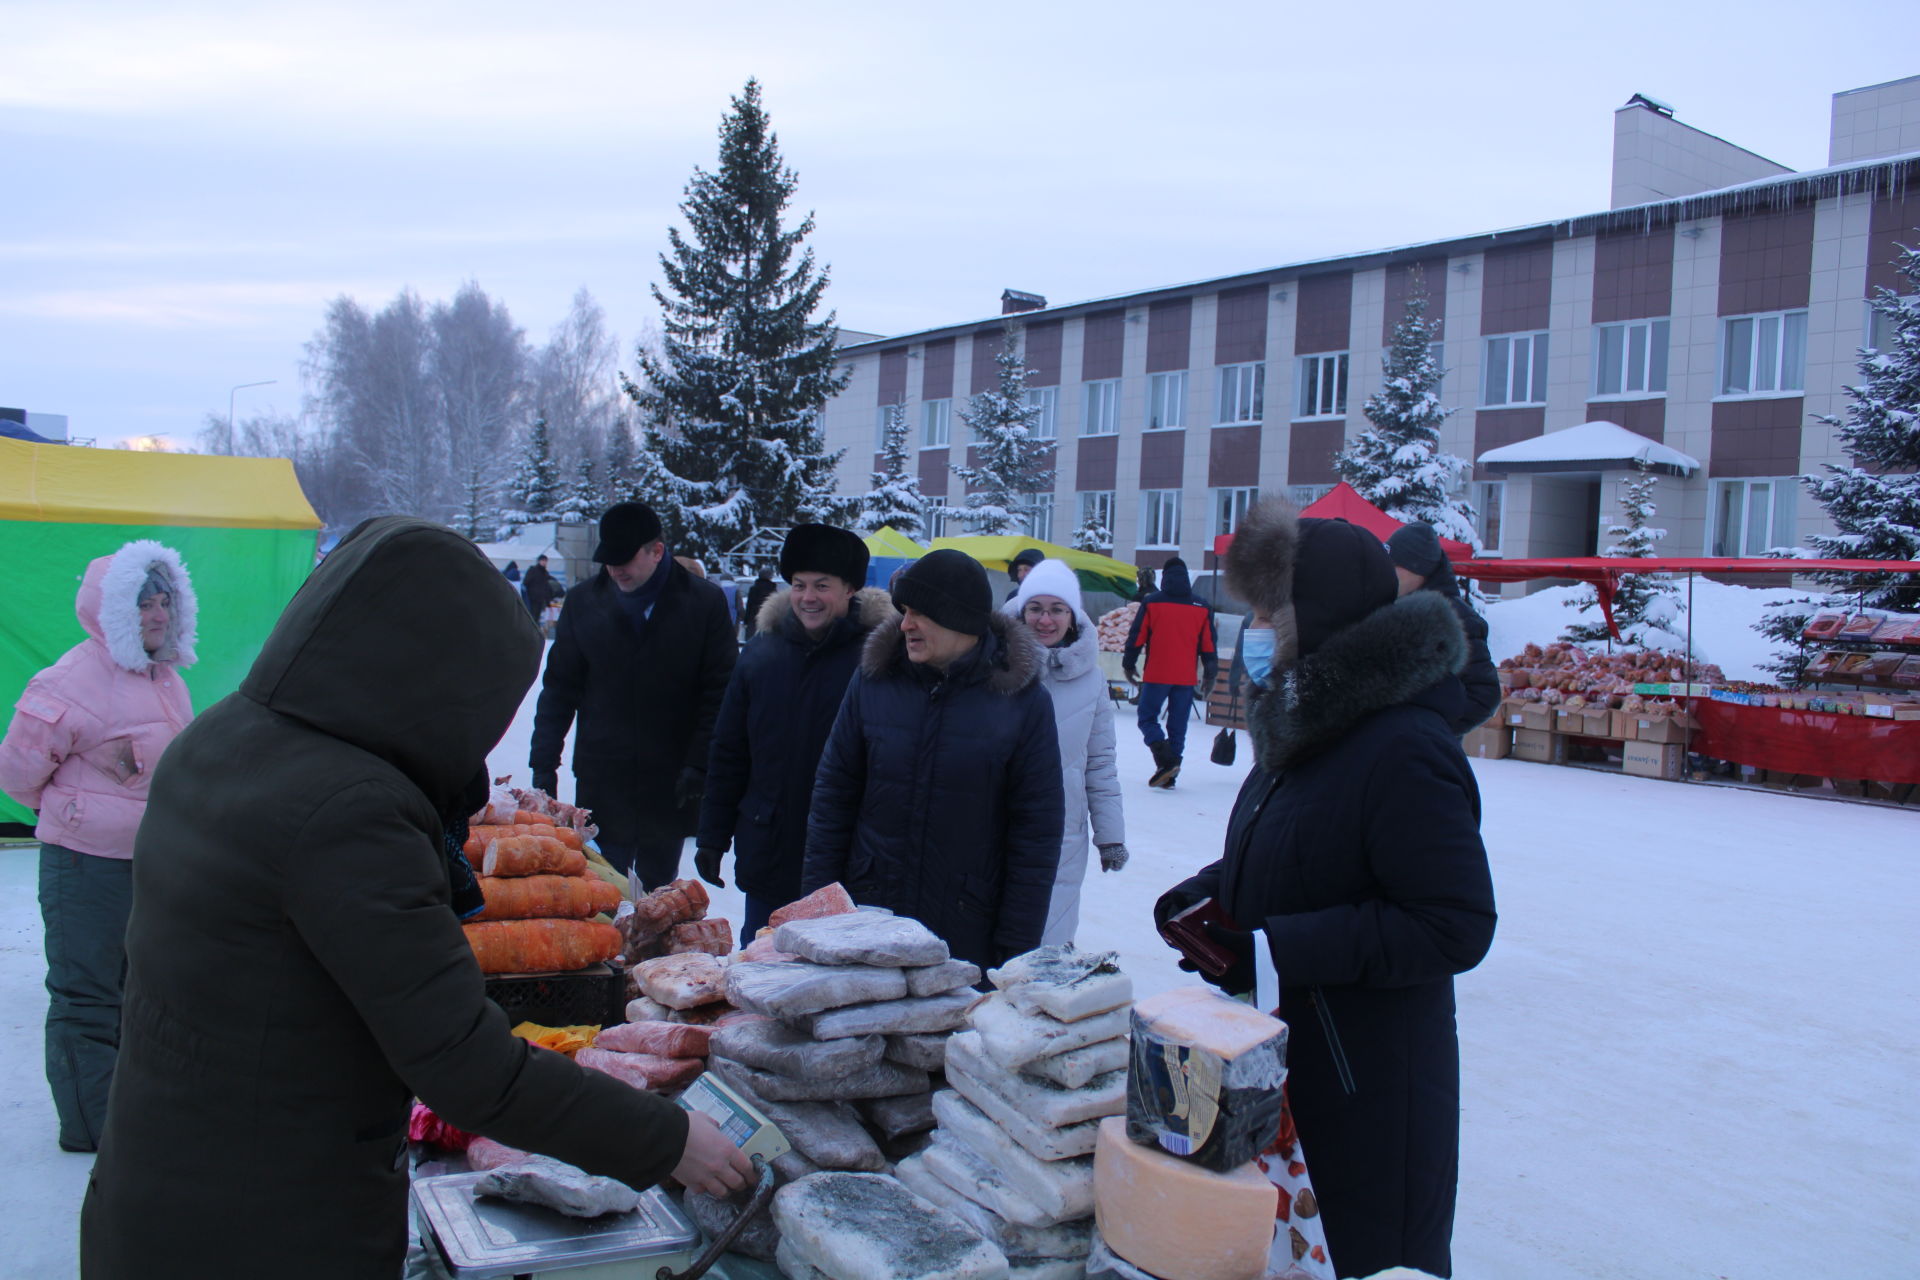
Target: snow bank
x,y
1722,623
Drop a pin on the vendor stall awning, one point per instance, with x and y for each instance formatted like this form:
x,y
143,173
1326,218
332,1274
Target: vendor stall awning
x,y
1591,446
1343,502
1095,572
66,485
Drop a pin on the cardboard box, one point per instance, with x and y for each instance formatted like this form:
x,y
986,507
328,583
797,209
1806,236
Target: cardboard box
x,y
1536,716
1510,713
1489,742
1622,726
1565,721
1660,729
1598,723
1651,760
1539,746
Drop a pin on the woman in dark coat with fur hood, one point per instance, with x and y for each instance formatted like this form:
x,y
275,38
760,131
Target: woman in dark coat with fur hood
x,y
780,706
940,795
1353,857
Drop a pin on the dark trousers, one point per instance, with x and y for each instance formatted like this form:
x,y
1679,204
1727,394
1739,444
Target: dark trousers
x,y
1178,701
655,862
755,917
84,903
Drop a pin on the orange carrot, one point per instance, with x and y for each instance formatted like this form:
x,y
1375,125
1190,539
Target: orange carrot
x,y
547,897
531,856
541,946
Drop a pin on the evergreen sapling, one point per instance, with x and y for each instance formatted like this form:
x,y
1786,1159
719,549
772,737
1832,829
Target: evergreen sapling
x,y
1012,460
894,499
1643,602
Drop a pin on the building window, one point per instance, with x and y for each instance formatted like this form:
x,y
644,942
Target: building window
x,y
1630,359
1166,401
1516,370
1240,393
1323,386
1039,515
936,424
1102,416
1764,354
880,417
1489,512
1752,517
1303,496
1879,329
936,518
1097,505
1160,518
1230,508
1047,401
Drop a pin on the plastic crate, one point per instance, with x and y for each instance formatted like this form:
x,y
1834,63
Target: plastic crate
x,y
594,996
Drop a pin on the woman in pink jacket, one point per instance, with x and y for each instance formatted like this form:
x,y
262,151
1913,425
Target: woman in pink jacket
x,y
85,737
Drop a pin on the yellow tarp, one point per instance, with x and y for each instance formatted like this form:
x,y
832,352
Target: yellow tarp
x,y
890,543
996,551
63,484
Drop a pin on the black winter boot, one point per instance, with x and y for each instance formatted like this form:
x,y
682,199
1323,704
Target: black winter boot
x,y
1166,765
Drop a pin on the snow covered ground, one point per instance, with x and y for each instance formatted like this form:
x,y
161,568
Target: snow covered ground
x,y
1690,1053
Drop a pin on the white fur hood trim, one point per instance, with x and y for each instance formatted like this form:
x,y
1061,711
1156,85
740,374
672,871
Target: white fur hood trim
x,y
119,608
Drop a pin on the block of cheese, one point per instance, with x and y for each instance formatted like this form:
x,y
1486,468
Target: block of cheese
x,y
864,1226
1176,1220
1206,1077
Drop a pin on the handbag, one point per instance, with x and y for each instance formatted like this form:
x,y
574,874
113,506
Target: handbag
x,y
1225,744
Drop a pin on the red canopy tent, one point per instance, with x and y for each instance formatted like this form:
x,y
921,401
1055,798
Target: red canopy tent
x,y
1345,503
1605,572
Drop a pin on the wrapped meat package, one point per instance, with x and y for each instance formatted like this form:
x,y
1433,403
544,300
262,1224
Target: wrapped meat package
x,y
795,988
1064,982
654,915
827,1133
862,937
863,1226
1067,1242
642,1070
1014,1039
712,1215
1206,1078
910,1016
715,937
829,900
773,1046
881,1080
683,981
485,1153
926,1051
666,1039
559,1186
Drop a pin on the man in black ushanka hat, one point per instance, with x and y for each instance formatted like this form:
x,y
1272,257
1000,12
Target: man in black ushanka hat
x,y
641,657
778,710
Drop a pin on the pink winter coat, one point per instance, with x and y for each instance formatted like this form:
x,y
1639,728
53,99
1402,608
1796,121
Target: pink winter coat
x,y
89,729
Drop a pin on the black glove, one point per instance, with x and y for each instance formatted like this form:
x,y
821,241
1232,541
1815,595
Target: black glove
x,y
547,780
1173,902
1130,672
1237,980
707,863
689,787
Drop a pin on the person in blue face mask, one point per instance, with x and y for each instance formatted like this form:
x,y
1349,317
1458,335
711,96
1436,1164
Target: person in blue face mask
x,y
1353,858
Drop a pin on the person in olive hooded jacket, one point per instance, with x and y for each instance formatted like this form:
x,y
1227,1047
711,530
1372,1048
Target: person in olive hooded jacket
x,y
296,967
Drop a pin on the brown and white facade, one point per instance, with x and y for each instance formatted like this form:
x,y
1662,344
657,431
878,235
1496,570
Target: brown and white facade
x,y
1718,307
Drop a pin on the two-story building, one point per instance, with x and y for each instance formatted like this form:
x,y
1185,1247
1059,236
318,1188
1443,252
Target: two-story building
x,y
1717,307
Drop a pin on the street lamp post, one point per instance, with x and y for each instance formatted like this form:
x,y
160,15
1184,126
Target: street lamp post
x,y
231,393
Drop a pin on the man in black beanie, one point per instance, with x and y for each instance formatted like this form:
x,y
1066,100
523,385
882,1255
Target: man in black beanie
x,y
1421,564
940,794
641,657
1022,565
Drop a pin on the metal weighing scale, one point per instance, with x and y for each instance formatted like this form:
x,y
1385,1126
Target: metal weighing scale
x,y
484,1238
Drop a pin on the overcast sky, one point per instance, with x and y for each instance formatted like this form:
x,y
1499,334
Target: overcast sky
x,y
187,185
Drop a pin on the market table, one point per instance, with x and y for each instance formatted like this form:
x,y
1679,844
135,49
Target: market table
x,y
1820,743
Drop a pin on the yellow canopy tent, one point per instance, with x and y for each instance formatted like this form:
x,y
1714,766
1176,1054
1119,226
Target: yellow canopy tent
x,y
1095,572
890,551
242,525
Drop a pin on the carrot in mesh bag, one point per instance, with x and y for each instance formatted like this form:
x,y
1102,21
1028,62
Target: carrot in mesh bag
x,y
547,897
531,856
541,946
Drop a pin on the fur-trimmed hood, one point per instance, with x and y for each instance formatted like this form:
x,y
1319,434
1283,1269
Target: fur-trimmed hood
x,y
1260,569
1008,652
871,606
1386,659
108,605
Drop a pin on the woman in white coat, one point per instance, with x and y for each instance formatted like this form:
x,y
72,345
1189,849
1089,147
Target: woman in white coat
x,y
1048,602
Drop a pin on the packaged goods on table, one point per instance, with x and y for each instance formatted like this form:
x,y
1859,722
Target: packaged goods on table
x,y
556,1185
863,1226
1207,1077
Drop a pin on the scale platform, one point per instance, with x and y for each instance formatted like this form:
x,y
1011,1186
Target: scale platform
x,y
483,1238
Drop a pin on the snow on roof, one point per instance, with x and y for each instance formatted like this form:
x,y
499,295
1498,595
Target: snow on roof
x,y
1601,444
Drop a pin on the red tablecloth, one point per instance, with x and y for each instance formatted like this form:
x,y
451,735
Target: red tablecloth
x,y
1815,742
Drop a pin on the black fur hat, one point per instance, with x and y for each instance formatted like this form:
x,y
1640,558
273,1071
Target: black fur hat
x,y
1312,577
823,548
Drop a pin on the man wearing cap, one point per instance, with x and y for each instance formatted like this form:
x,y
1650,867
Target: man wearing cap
x,y
1022,565
940,796
641,657
1421,564
1176,631
779,708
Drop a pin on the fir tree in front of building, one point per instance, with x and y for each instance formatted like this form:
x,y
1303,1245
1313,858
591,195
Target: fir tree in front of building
x,y
1093,535
894,500
1010,459
731,403
1396,463
534,490
1875,503
1642,602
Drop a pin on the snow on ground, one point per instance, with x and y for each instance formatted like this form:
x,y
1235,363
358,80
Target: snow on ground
x,y
1723,618
1689,1054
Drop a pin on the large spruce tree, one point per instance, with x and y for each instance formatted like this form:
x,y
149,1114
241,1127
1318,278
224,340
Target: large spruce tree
x,y
895,500
1396,463
1011,461
731,402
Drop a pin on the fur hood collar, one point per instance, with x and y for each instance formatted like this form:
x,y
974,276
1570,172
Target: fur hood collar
x,y
108,606
1384,660
1008,658
871,607
1071,661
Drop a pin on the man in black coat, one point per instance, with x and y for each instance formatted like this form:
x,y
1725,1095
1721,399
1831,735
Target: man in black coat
x,y
296,969
940,794
779,708
758,594
641,656
1420,564
1020,566
537,588
1353,857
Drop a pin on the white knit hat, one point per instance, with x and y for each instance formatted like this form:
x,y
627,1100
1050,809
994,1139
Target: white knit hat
x,y
1048,578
